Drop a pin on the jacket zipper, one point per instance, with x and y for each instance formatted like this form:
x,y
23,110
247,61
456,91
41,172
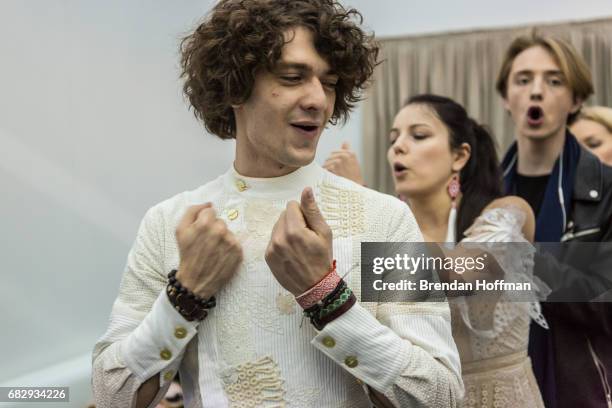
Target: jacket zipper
x,y
602,374
571,235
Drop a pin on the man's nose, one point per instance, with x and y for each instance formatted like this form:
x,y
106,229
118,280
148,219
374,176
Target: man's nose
x,y
537,89
315,97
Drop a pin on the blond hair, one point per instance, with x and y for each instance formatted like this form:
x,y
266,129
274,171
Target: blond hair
x,y
599,114
576,72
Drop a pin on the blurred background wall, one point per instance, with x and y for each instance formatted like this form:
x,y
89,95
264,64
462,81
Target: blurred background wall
x,y
94,130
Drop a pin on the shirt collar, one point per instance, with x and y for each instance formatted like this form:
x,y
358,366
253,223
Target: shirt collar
x,y
288,186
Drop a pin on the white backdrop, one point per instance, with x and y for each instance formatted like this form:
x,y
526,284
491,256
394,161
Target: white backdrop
x,y
94,130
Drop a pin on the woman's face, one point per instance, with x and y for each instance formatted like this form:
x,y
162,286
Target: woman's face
x,y
419,154
595,137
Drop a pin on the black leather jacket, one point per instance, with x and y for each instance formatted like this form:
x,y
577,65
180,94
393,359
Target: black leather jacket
x,y
582,331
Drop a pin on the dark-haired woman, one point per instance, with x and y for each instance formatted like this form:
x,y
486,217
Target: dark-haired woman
x,y
445,167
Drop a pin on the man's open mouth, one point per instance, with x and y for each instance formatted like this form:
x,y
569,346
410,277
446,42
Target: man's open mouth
x,y
535,116
307,128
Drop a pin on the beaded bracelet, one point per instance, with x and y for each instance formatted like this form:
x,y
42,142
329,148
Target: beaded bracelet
x,y
320,290
188,304
334,305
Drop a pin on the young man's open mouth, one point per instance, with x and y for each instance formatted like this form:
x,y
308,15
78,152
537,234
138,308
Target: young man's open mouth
x,y
535,116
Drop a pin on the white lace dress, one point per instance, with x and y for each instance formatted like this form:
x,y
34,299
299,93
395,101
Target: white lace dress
x,y
492,335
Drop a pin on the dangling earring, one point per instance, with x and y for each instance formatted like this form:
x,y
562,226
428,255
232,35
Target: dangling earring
x,y
454,187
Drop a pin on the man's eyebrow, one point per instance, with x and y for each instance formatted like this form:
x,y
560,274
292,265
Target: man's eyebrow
x,y
299,67
547,72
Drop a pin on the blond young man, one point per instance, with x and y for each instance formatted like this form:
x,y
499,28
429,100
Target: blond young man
x,y
543,82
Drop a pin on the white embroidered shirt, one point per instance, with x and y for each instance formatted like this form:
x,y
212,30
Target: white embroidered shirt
x,y
254,348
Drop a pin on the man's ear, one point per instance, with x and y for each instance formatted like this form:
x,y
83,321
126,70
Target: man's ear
x,y
577,105
505,103
461,157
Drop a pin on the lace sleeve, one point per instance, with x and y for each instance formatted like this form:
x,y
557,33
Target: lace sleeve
x,y
489,232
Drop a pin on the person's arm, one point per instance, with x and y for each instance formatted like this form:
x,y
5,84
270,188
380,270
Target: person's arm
x,y
576,288
408,355
344,163
516,203
419,336
127,361
581,277
137,358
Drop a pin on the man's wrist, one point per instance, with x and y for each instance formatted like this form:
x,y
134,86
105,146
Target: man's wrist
x,y
188,304
321,289
334,305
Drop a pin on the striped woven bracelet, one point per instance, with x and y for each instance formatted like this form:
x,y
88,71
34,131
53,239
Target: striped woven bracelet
x,y
319,291
334,305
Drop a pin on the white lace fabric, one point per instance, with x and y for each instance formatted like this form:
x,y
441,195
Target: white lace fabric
x,y
254,349
492,335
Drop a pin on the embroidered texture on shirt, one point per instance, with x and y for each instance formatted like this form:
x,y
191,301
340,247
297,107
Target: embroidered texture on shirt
x,y
255,384
343,210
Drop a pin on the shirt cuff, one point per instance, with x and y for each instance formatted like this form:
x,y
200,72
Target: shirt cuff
x,y
158,341
363,346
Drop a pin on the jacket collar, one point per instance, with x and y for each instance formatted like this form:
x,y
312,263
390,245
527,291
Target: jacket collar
x,y
588,185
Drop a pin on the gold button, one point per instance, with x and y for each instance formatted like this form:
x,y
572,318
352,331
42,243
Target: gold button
x,y
180,332
329,342
351,361
241,185
359,381
169,375
165,354
232,214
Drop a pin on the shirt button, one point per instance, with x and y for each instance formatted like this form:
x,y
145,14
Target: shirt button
x,y
593,193
165,354
232,214
351,361
169,376
329,342
241,185
180,332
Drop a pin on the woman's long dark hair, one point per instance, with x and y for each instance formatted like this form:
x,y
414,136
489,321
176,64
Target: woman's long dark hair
x,y
481,177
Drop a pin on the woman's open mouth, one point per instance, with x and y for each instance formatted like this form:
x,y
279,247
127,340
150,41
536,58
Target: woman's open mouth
x,y
399,169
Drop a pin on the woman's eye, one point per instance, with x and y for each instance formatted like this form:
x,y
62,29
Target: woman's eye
x,y
419,136
593,144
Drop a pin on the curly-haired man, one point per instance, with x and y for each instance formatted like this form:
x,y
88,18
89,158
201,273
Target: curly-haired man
x,y
217,279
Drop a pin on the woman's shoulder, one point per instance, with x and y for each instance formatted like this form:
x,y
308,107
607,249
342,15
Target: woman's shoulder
x,y
512,209
510,202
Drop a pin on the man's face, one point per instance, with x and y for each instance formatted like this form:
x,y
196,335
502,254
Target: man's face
x,y
538,96
279,126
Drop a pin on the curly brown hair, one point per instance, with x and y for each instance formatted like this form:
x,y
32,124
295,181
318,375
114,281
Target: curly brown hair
x,y
220,58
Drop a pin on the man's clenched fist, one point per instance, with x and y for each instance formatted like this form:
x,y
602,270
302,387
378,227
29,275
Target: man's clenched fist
x,y
209,253
299,253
